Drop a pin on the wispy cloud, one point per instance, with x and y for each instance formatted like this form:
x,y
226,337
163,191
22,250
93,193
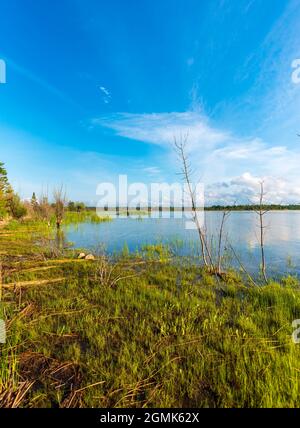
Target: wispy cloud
x,y
161,128
106,95
152,170
274,99
259,157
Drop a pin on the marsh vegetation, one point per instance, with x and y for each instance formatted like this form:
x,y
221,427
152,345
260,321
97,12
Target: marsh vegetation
x,y
140,330
148,328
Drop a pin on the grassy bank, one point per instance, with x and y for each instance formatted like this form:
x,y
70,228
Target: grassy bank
x,y
140,331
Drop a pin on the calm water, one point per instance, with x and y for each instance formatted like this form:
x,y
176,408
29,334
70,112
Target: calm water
x,y
282,237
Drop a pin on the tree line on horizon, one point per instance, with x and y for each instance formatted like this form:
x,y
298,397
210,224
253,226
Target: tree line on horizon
x,y
252,207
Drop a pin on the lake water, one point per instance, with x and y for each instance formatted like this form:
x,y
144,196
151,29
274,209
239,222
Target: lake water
x,y
282,237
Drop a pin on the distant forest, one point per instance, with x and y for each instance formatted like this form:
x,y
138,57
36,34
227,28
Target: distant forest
x,y
271,207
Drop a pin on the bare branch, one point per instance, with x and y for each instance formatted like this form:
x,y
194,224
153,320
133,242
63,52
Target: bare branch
x,y
180,146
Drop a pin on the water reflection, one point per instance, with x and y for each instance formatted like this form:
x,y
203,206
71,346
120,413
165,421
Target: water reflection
x,y
60,240
282,235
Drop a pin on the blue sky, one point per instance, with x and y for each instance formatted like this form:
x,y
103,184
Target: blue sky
x,y
99,88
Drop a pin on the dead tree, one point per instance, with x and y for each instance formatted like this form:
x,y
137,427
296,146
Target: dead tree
x,y
59,196
261,212
186,172
221,231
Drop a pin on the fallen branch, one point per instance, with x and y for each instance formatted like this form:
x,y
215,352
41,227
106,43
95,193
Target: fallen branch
x,y
24,284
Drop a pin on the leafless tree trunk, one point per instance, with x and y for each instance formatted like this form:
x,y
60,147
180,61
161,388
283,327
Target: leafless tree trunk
x,y
224,216
186,173
261,213
59,196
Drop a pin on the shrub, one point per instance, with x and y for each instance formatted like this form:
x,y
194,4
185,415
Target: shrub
x,y
14,206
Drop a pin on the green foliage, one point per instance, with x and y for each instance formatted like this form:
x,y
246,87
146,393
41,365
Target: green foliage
x,y
85,216
34,201
14,206
3,178
291,282
76,206
3,189
3,211
10,202
71,206
125,251
80,206
157,251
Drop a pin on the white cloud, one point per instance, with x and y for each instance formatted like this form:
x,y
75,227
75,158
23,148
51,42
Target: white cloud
x,y
152,170
160,128
216,155
105,91
249,148
246,189
106,95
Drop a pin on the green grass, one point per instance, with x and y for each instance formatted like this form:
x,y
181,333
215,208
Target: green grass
x,y
83,217
144,331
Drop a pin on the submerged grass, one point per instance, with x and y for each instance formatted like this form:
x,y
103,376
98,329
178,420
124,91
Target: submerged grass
x,y
141,331
85,216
